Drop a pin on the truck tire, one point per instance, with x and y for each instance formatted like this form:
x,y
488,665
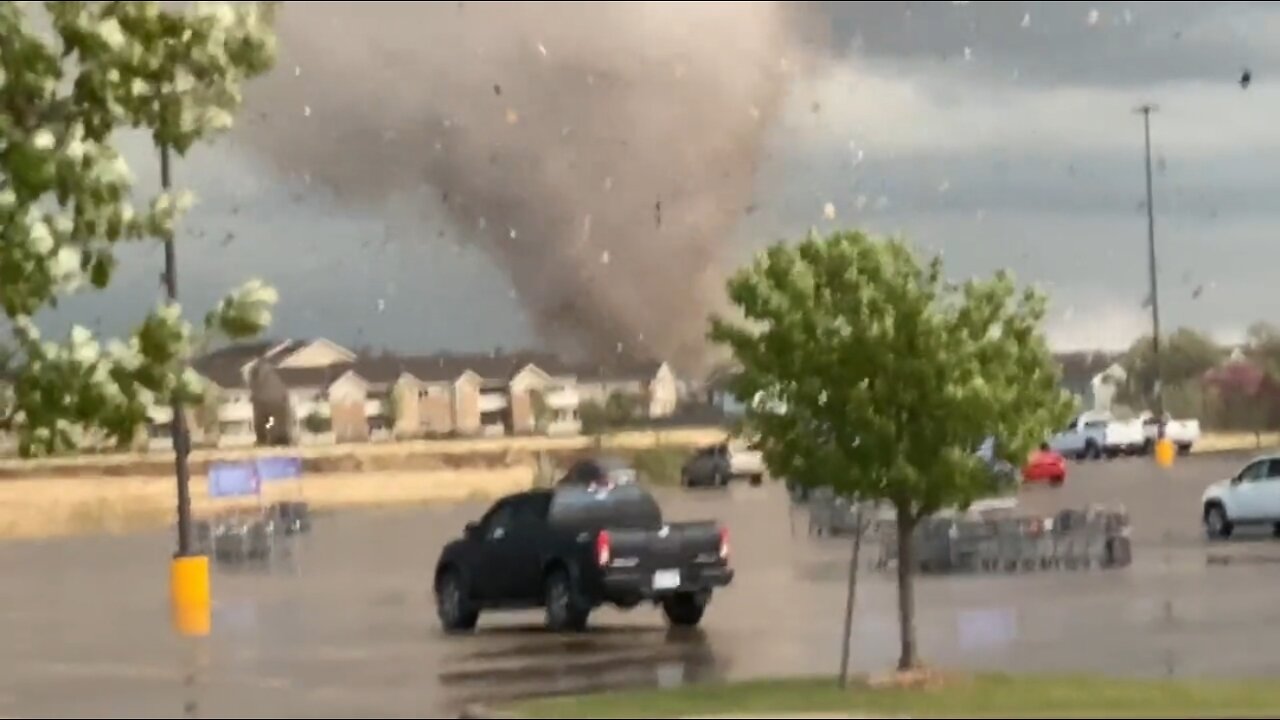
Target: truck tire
x,y
1092,450
566,611
453,607
684,609
756,480
1216,524
1184,449
719,479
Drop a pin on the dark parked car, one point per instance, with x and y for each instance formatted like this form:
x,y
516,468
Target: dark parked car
x,y
598,537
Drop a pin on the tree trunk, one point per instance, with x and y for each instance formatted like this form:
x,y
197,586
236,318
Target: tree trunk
x,y
906,590
858,529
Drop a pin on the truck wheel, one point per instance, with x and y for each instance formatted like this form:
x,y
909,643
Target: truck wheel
x,y
1184,449
1216,524
452,605
684,609
565,609
1057,481
719,480
756,480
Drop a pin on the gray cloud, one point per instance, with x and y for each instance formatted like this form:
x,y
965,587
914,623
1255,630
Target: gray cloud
x,y
1041,173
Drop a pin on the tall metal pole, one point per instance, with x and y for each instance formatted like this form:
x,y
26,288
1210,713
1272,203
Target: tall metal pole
x,y
181,434
1146,111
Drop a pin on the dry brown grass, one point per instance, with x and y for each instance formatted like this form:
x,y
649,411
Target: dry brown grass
x,y
412,454
42,507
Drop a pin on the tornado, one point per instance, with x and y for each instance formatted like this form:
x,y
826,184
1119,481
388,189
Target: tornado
x,y
601,154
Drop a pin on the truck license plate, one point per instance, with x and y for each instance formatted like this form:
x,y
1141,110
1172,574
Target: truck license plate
x,y
666,579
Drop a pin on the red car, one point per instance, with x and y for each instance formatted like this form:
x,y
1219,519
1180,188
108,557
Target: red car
x,y
1045,465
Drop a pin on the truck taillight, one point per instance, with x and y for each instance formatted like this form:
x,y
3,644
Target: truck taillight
x,y
603,552
724,544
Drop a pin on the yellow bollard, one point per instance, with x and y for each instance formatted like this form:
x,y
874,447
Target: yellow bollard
x,y
1165,452
189,595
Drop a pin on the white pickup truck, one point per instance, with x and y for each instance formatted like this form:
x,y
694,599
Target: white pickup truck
x,y
1094,435
1183,433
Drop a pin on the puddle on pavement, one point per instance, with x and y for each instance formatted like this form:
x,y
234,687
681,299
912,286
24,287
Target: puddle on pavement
x,y
609,658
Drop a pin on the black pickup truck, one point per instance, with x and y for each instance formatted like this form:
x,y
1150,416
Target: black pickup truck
x,y
597,537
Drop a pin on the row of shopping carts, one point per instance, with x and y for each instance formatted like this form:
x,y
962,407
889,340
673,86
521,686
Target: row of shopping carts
x,y
247,535
988,538
1073,539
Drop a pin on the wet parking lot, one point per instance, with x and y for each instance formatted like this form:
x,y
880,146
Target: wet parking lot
x,y
344,627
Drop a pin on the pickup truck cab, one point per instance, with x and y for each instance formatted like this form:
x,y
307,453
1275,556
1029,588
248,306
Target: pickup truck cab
x,y
1094,435
716,465
1250,497
598,537
1183,433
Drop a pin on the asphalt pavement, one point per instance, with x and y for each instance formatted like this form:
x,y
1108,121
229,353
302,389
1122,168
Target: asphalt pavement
x,y
343,626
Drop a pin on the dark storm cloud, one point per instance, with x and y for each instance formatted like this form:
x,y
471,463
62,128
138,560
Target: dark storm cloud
x,y
1024,153
1133,44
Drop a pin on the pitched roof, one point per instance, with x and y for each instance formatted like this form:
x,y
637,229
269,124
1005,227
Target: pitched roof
x,y
622,369
312,376
223,366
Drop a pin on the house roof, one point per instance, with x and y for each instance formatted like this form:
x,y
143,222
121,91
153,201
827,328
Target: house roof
x,y
313,376
626,369
223,366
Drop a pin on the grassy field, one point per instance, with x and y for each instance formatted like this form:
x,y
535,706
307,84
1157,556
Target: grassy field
x,y
44,507
377,456
980,696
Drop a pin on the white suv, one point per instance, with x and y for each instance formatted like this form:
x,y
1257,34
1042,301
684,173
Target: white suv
x,y
1252,497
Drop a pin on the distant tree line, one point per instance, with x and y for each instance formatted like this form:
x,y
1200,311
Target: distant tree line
x,y
1227,388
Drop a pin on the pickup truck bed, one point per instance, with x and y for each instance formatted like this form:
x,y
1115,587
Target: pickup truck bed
x,y
579,546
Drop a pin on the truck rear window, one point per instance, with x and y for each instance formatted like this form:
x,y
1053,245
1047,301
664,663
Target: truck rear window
x,y
621,506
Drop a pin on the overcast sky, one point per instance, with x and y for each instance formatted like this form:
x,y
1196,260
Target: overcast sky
x,y
1002,134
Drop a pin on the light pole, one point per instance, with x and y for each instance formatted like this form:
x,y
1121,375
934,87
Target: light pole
x,y
1145,110
189,573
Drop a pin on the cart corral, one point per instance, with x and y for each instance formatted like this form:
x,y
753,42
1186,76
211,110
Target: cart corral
x,y
991,536
234,533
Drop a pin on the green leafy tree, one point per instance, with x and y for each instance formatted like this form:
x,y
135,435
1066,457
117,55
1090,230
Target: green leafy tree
x,y
869,372
1185,355
67,195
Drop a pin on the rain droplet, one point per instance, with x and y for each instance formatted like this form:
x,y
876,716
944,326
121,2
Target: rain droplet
x,y
306,111
860,202
1093,16
829,211
511,293
754,111
306,178
944,186
481,223
1128,16
1026,20
297,70
619,347
542,49
980,215
591,79
382,304
513,117
511,232
968,53
608,183
604,258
